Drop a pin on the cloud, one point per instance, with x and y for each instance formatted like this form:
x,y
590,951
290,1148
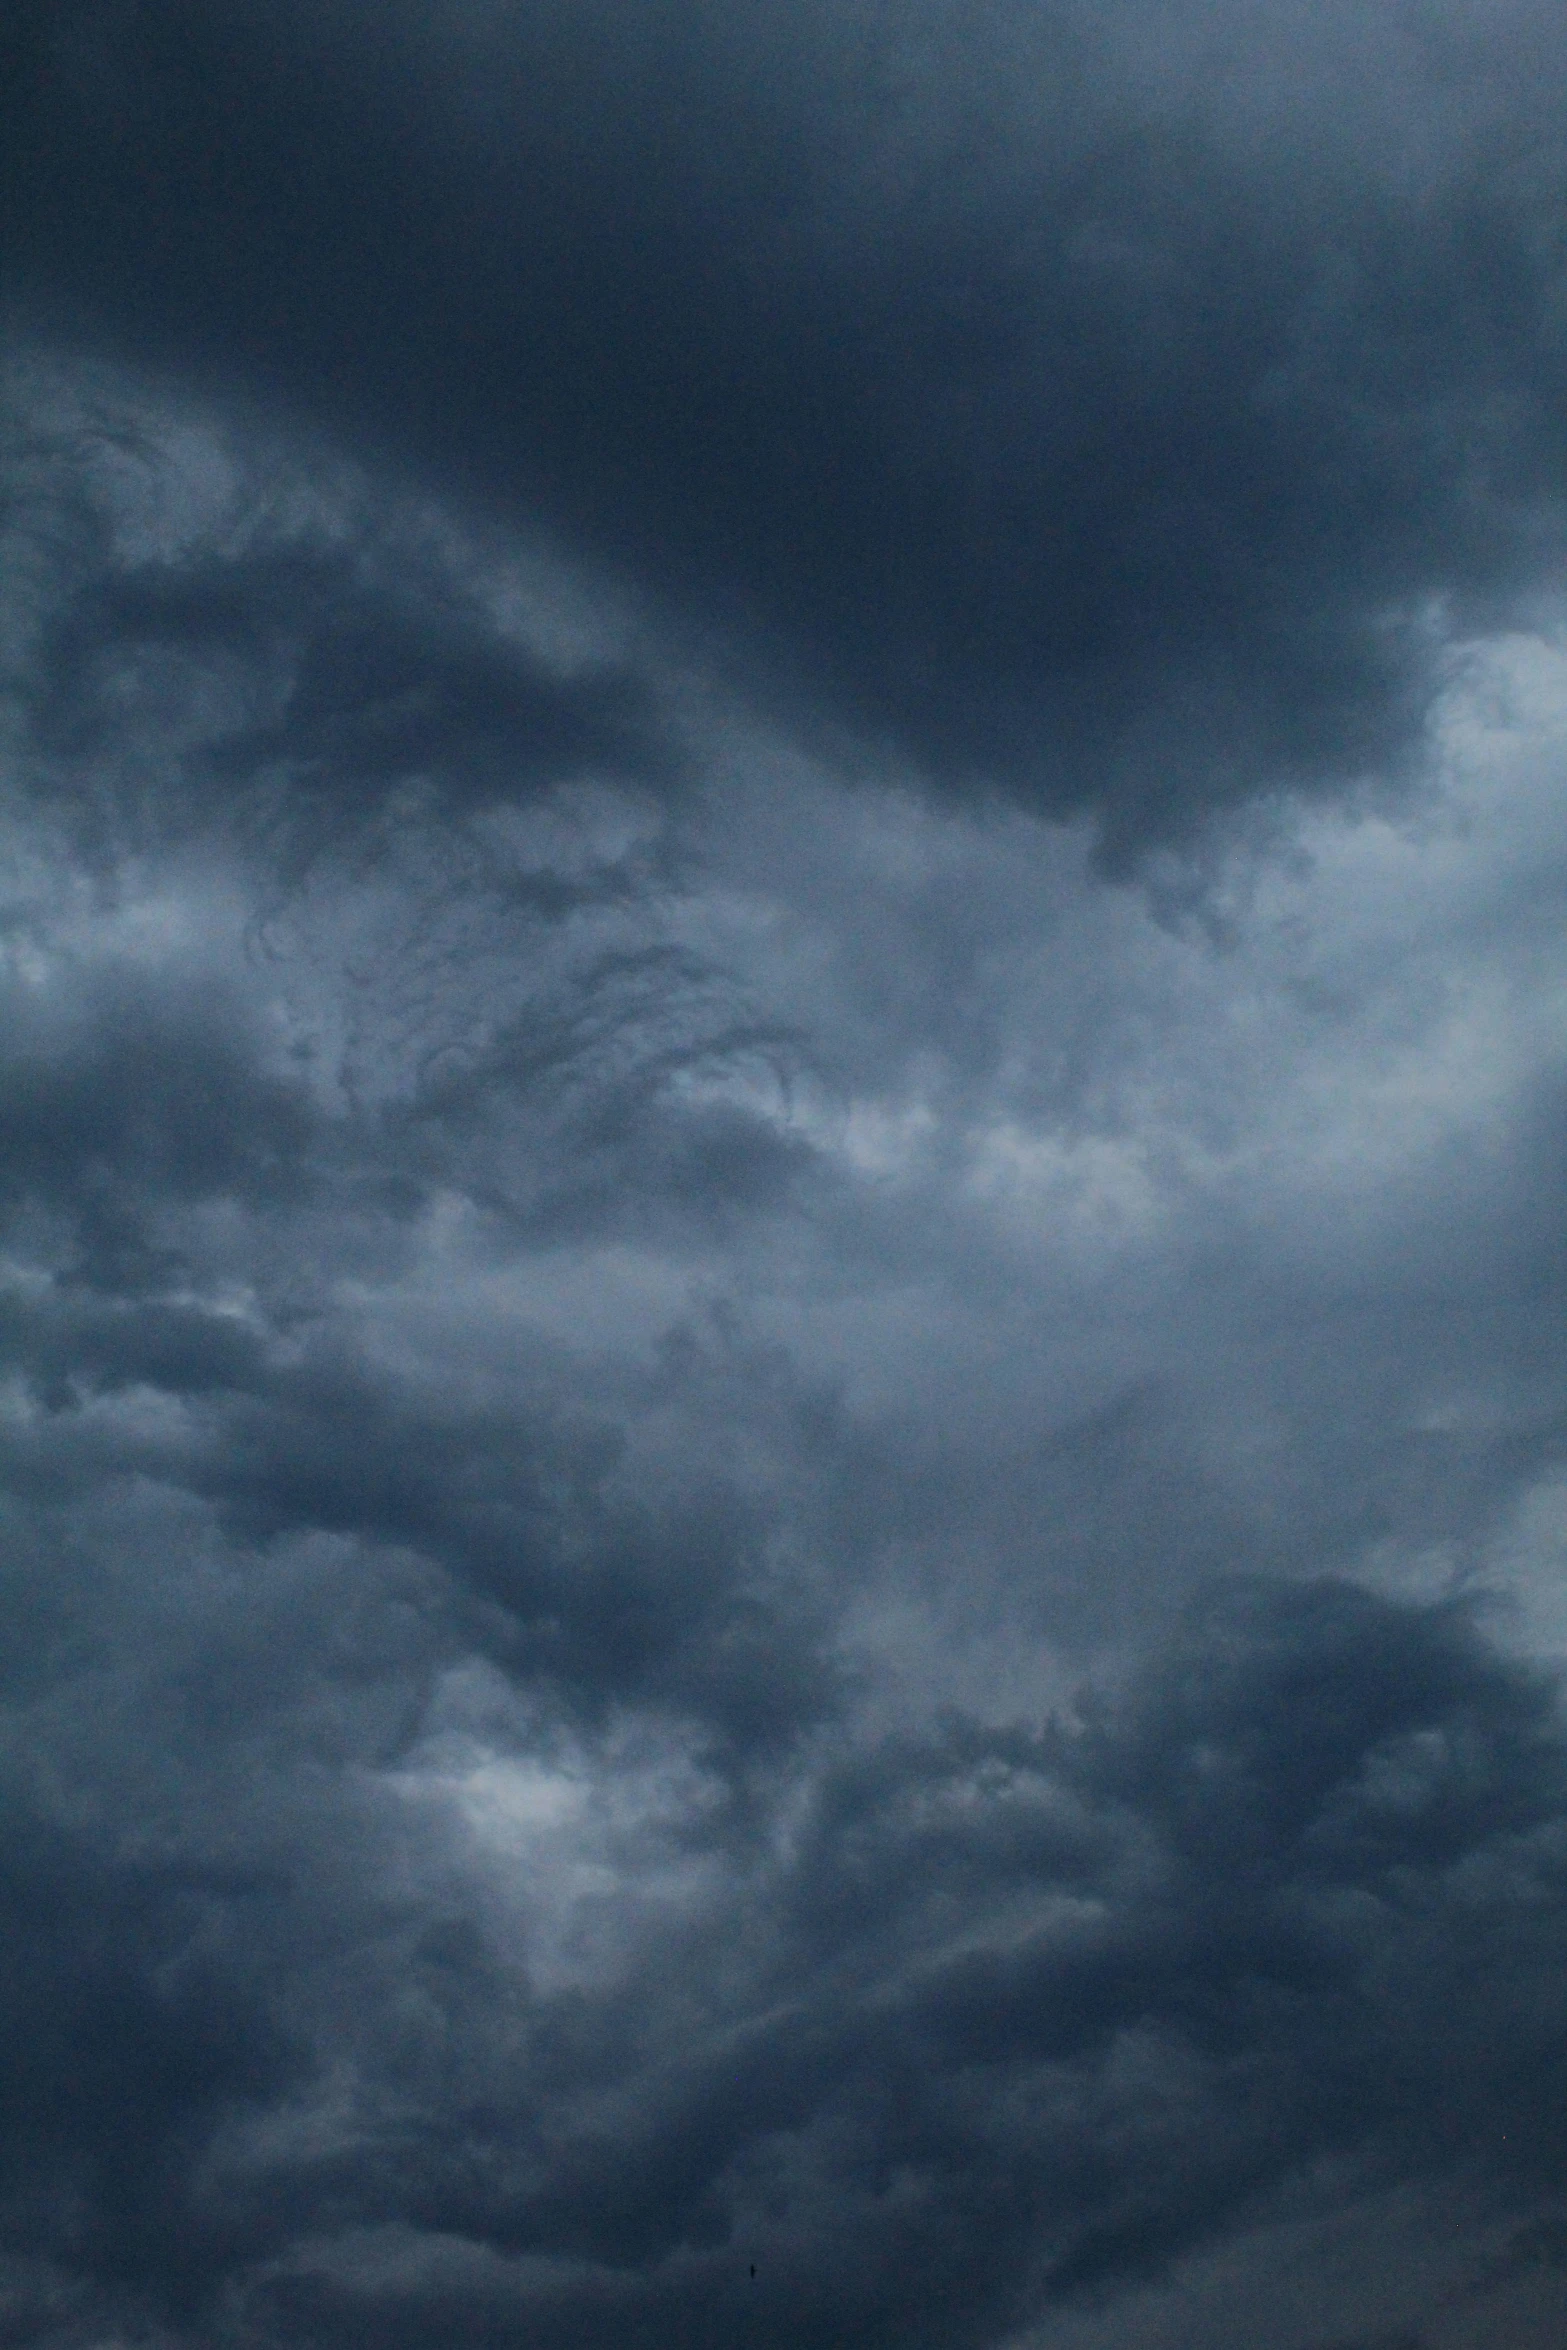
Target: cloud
x,y
118,1104
289,662
781,1373
1094,408
1011,2015
128,2043
449,1695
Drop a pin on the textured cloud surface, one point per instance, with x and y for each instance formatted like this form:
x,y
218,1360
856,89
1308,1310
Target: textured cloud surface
x,y
783,1307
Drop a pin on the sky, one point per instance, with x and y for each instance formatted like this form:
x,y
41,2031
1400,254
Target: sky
x,y
783,1175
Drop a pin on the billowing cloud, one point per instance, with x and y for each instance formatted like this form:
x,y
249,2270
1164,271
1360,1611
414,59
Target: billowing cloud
x,y
1110,407
782,1373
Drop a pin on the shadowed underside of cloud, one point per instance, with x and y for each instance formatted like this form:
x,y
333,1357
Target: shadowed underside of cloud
x,y
309,679
1009,2018
459,1881
1107,408
746,1522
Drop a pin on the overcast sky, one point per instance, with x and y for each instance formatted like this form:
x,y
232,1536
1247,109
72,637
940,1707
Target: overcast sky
x,y
783,1175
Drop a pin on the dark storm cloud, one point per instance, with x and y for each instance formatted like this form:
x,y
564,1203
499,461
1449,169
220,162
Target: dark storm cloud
x,y
126,2043
1012,2017
601,1590
602,1306
959,2025
294,678
561,1561
379,693
134,1085
309,680
1093,405
127,1109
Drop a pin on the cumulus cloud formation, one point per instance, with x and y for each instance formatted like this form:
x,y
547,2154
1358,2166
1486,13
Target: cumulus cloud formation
x,y
783,1414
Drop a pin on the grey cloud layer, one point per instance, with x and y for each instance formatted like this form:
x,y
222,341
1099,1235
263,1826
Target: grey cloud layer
x,y
482,1856
743,1521
1103,404
1011,2017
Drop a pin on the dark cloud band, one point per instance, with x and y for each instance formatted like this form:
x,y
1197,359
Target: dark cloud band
x,y
1100,410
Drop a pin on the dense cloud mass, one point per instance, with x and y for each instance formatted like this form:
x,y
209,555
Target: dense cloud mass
x,y
1106,406
783,1115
